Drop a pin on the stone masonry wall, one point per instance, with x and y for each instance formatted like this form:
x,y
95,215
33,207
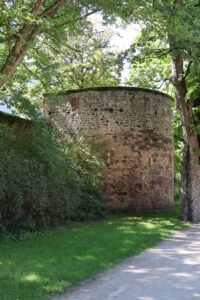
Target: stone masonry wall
x,y
135,123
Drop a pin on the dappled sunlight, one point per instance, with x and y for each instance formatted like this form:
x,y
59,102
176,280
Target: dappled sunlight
x,y
182,274
31,278
85,258
57,286
146,298
128,242
192,262
148,225
126,229
140,271
53,263
167,267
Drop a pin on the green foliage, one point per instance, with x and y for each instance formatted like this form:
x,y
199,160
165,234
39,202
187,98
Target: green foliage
x,y
178,152
86,158
76,60
147,68
42,185
64,62
67,53
24,22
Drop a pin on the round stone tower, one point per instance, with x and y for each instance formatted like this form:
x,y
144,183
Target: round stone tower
x,y
135,125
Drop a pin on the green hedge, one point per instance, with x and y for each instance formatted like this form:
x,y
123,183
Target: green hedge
x,y
44,182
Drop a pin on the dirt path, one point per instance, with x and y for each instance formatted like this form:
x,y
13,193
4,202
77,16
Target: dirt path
x,y
170,271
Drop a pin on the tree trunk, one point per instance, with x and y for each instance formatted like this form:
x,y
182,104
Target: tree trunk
x,y
190,176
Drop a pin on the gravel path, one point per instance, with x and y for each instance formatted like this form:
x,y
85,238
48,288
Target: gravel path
x,y
170,271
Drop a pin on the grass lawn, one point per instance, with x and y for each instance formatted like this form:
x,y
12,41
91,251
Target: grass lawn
x,y
33,269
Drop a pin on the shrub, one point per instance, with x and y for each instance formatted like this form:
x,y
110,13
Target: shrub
x,y
44,182
86,158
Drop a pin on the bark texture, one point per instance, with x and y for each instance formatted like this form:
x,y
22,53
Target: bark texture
x,y
190,177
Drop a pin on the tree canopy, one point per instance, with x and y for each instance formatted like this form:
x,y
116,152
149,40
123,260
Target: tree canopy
x,y
65,52
24,22
171,28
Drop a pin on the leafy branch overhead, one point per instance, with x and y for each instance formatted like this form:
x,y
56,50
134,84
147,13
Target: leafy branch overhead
x,y
22,22
70,60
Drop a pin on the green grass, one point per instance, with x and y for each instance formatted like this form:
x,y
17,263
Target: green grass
x,y
33,269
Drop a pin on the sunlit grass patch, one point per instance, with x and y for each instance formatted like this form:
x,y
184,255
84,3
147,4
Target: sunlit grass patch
x,y
31,277
51,264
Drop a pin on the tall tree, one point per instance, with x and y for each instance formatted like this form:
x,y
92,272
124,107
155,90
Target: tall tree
x,y
175,24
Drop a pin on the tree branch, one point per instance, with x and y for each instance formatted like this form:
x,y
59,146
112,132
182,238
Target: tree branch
x,y
165,80
60,42
77,19
2,5
26,36
34,74
187,70
53,9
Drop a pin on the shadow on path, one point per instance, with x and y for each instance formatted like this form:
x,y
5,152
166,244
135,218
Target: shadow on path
x,y
170,271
